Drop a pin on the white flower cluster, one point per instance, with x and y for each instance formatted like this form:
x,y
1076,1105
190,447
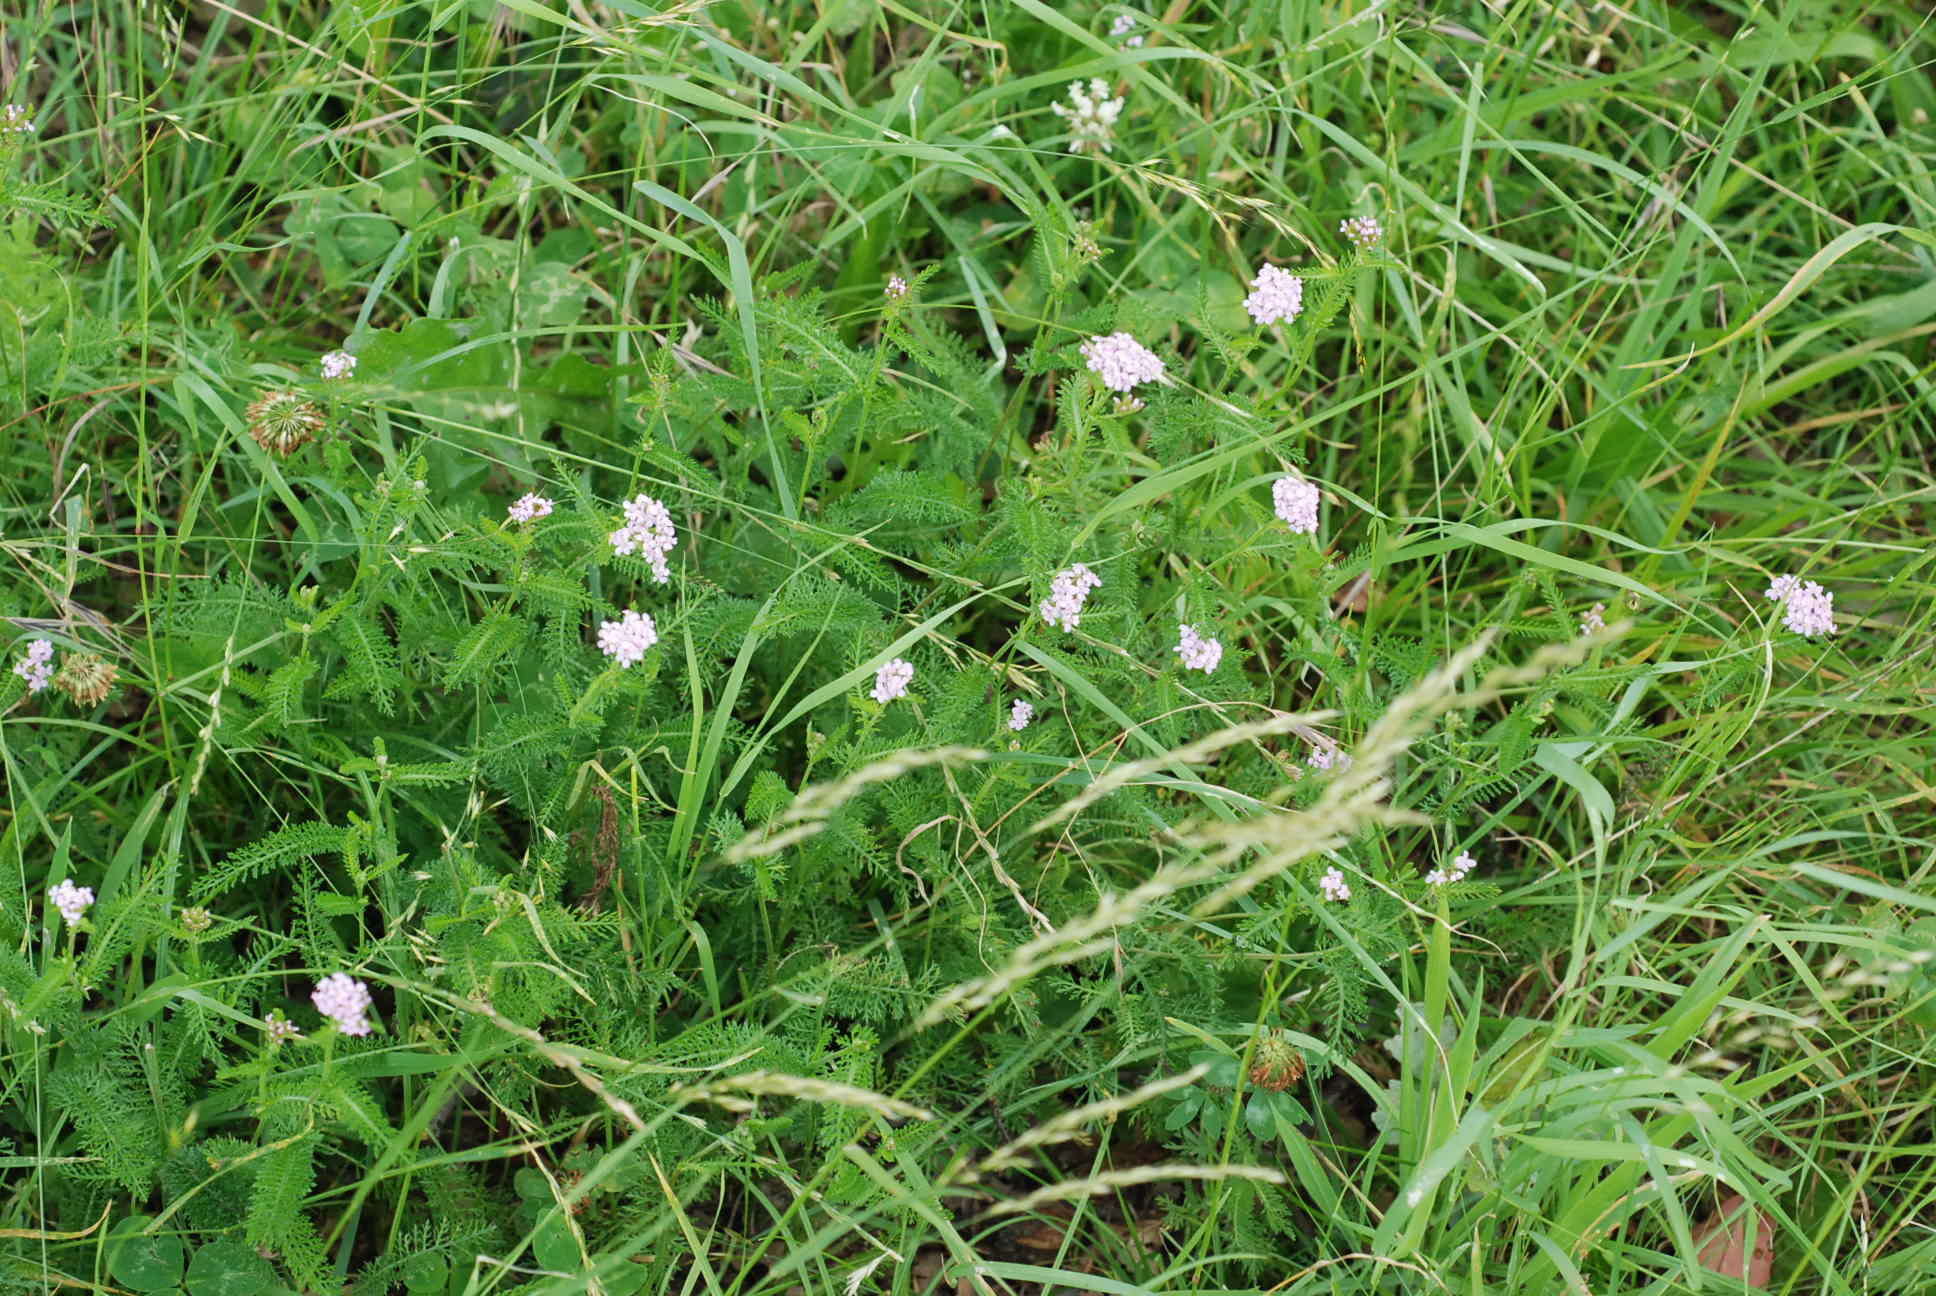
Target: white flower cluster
x,y
1324,758
343,1000
37,667
338,364
1456,871
279,1027
1363,231
1197,652
1121,361
71,900
1091,115
648,531
1020,714
1807,608
529,508
626,640
1296,503
1067,593
897,287
15,120
1279,295
892,679
1594,619
1123,25
1334,886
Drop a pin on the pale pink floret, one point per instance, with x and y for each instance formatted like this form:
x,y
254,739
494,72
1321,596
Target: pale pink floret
x,y
1363,231
1324,758
1121,361
1020,714
897,287
892,679
1296,503
1067,593
36,667
1334,886
71,900
1197,652
1279,296
338,364
1594,619
648,531
529,508
1456,871
626,640
344,1001
1810,611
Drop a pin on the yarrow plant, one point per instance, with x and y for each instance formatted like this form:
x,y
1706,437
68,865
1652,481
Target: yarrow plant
x,y
1295,501
1324,758
36,665
15,120
1364,232
892,679
1122,25
1807,608
72,901
279,1027
1279,296
342,999
648,531
1019,715
529,508
1197,652
897,287
1594,619
1121,361
338,364
627,639
1067,593
1091,115
1456,871
1334,886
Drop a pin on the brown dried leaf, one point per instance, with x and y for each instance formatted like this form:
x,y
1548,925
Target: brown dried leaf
x,y
1723,1243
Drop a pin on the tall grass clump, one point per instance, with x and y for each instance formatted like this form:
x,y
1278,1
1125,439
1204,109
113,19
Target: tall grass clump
x,y
864,647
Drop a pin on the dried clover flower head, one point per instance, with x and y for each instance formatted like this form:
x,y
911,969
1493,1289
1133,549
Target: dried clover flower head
x,y
1276,1064
85,677
282,422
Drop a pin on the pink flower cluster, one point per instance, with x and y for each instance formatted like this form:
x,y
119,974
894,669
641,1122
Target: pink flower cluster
x,y
892,679
1807,608
1121,361
345,1001
1279,296
1296,503
37,666
71,900
529,508
1456,871
648,531
626,640
1362,231
1067,593
1197,652
1334,886
1020,714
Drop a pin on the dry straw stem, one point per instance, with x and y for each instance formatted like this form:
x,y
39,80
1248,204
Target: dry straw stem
x,y
1071,1124
1351,800
1111,1180
811,809
725,1093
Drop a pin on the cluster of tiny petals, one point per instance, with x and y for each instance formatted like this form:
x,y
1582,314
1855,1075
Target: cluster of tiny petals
x,y
1807,608
15,120
1334,886
1456,871
338,364
1019,715
345,1001
1067,593
1362,231
648,531
897,287
1197,652
1121,361
71,900
37,666
1594,619
1091,115
626,640
892,679
1296,503
529,508
1324,758
1279,295
1124,24
280,1027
